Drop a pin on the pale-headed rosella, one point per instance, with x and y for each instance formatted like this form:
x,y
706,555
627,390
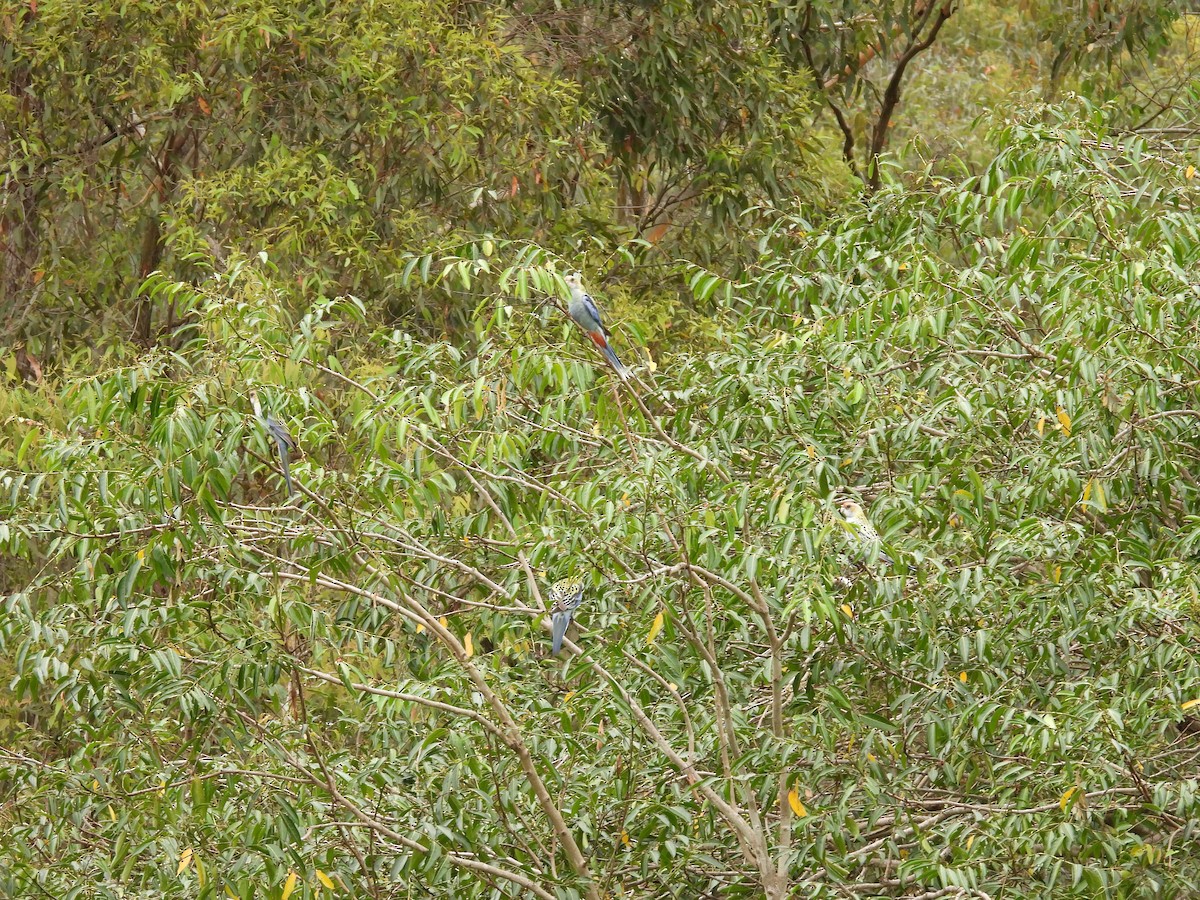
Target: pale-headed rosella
x,y
283,440
586,314
863,532
565,597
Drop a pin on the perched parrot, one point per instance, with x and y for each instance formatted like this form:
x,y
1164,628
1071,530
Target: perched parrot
x,y
862,531
584,311
283,440
565,597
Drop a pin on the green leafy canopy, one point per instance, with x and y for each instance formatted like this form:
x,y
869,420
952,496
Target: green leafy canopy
x,y
213,691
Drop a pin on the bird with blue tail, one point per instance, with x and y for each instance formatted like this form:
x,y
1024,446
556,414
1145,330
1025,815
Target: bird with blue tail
x,y
564,597
586,314
283,440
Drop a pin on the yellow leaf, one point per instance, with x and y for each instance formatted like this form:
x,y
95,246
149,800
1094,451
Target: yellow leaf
x,y
1189,173
141,555
1041,425
650,363
185,860
1057,574
1066,798
112,815
871,757
443,621
655,628
289,886
624,837
596,430
811,451
420,627
962,676
325,880
230,894
970,841
847,610
568,695
1189,704
796,805
959,492
903,267
95,784
469,645
1087,490
1064,420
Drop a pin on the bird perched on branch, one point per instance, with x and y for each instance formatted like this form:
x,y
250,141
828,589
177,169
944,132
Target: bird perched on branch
x,y
283,440
862,532
586,314
565,597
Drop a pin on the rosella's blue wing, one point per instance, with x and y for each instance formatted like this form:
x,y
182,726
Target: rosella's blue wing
x,y
285,443
594,311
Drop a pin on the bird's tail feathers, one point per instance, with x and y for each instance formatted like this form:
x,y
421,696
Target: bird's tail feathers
x,y
285,463
614,362
558,629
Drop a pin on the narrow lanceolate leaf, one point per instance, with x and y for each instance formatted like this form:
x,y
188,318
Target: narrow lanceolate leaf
x,y
30,439
1064,421
468,645
655,628
1065,799
796,805
1185,706
289,886
325,880
185,860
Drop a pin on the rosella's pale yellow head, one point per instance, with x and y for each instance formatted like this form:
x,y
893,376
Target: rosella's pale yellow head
x,y
574,281
851,511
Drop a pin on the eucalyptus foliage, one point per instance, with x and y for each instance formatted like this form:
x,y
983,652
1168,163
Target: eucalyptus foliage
x,y
217,693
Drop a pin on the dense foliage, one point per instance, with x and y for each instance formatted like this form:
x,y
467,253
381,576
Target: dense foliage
x,y
217,693
361,216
